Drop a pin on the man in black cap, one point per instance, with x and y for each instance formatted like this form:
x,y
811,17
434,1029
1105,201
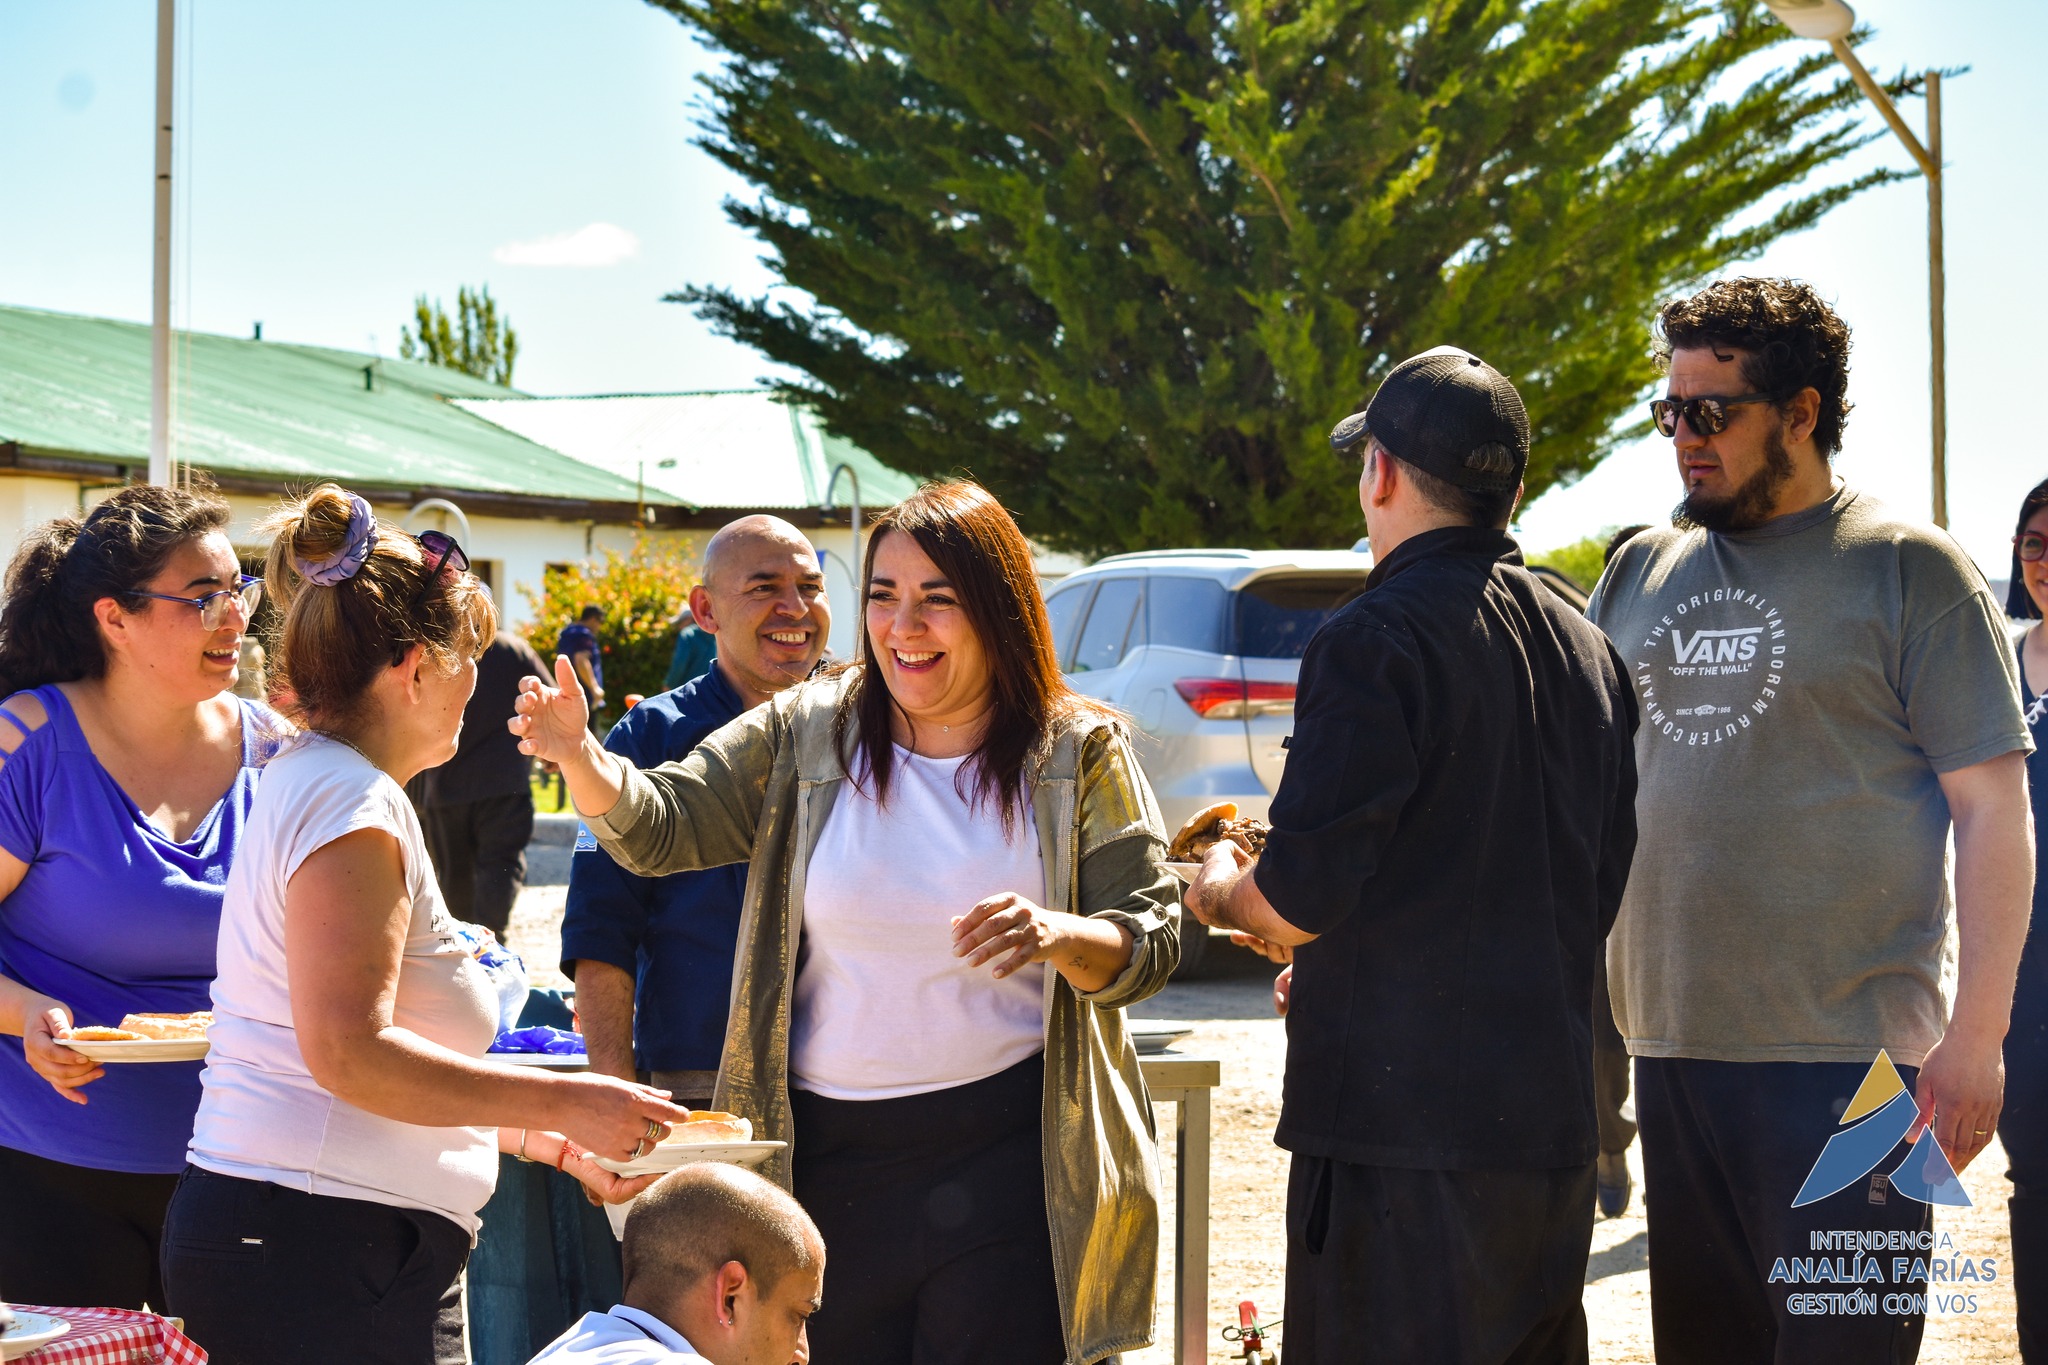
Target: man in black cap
x,y
1449,846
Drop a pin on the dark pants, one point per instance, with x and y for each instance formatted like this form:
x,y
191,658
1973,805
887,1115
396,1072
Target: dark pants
x,y
1726,1146
2023,1129
1610,1068
76,1237
479,853
544,1257
1422,1267
262,1274
933,1212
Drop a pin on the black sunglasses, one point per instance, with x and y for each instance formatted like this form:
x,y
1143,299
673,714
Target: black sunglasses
x,y
445,552
1706,416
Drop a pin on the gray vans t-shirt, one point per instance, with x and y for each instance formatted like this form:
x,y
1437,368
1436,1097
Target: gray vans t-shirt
x,y
1802,684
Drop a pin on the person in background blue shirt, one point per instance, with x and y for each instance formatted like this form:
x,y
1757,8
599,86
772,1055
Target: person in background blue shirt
x,y
586,655
652,956
695,648
722,1268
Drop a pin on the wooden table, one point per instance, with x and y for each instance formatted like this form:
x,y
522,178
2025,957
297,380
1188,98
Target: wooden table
x,y
1186,1082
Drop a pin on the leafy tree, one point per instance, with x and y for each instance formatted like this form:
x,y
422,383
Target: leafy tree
x,y
640,591
476,341
1127,261
1582,561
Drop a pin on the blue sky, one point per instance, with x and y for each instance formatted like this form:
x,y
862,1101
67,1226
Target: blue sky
x,y
339,160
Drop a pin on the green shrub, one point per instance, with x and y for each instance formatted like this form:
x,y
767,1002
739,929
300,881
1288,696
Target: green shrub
x,y
641,592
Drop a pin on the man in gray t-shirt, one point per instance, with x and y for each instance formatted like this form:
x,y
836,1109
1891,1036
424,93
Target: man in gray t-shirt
x,y
1826,690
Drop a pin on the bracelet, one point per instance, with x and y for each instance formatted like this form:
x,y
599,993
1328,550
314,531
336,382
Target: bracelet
x,y
522,1148
562,1155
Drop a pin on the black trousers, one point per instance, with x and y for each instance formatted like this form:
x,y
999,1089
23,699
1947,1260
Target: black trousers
x,y
933,1212
76,1237
479,853
262,1274
2023,1129
1436,1267
1610,1068
1726,1146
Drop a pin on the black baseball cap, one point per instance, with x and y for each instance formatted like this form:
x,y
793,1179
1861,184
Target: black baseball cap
x,y
1448,413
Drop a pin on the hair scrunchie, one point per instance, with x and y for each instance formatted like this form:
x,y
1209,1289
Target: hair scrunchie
x,y
343,563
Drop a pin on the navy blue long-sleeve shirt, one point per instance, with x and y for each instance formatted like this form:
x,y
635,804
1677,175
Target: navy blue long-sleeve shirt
x,y
676,934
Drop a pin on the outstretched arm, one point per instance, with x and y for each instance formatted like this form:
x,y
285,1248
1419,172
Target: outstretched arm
x,y
553,724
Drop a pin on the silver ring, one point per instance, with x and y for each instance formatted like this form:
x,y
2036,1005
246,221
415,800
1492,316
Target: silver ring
x,y
639,1150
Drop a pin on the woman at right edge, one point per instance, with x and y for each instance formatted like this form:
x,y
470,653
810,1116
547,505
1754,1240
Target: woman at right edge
x,y
2023,1123
956,884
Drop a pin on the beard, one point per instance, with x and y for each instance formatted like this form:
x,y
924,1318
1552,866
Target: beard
x,y
1750,505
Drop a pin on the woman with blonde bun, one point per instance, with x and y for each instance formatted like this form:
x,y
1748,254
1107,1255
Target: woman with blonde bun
x,y
348,1128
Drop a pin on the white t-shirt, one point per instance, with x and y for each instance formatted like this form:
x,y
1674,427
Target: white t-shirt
x,y
261,1114
882,1007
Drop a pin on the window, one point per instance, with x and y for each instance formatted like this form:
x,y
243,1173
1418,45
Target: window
x,y
1276,616
1065,608
1186,613
1108,630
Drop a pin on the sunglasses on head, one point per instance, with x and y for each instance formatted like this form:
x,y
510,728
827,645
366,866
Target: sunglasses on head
x,y
2030,545
1706,416
439,551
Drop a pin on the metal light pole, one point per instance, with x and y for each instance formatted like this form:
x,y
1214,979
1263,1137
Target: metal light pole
x,y
160,307
1832,21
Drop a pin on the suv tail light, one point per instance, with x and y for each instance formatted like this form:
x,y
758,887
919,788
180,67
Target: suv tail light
x,y
1234,699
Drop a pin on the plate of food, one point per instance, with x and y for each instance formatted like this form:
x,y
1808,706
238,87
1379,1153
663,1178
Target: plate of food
x,y
710,1135
29,1332
144,1038
1207,828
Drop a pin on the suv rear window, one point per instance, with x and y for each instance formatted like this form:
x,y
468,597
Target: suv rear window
x,y
1277,615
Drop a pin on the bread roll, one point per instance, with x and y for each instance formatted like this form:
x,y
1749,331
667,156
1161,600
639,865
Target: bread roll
x,y
170,1026
712,1125
100,1033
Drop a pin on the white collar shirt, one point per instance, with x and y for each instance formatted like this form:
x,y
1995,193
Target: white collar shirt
x,y
624,1336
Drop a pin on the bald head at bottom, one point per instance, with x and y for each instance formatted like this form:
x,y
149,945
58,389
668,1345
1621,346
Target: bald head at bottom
x,y
697,1218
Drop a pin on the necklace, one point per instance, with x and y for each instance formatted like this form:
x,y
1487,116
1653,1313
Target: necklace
x,y
347,743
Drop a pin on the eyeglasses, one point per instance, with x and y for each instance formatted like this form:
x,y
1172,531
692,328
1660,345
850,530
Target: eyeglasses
x,y
1706,416
213,608
2031,546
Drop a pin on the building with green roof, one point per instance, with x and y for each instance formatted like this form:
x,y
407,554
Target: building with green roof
x,y
536,481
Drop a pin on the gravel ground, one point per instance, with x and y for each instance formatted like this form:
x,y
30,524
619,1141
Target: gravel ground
x,y
1231,1010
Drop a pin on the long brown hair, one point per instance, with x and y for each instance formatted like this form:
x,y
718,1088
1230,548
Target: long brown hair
x,y
975,544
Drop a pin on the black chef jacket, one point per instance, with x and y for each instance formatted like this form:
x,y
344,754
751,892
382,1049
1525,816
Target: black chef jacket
x,y
1455,821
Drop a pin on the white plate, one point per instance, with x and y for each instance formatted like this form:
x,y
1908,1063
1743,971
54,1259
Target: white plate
x,y
31,1331
1185,871
670,1155
1156,1035
566,1061
140,1049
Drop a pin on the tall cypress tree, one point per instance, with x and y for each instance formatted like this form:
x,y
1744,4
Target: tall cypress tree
x,y
1126,261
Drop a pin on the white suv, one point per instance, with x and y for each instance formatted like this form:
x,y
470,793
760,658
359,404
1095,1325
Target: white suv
x,y
1202,648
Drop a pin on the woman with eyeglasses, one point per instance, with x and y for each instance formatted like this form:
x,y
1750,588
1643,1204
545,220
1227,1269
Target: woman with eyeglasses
x,y
2023,1123
127,769
349,1130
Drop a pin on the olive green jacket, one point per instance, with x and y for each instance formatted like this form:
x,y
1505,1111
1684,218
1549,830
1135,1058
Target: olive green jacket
x,y
759,790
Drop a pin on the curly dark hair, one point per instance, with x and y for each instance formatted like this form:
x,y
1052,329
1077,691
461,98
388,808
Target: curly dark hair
x,y
1789,338
47,630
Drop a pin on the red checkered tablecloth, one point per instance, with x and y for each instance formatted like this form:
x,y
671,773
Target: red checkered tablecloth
x,y
113,1336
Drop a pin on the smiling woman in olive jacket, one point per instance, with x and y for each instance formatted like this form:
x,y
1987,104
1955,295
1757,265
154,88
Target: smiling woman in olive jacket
x,y
955,886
